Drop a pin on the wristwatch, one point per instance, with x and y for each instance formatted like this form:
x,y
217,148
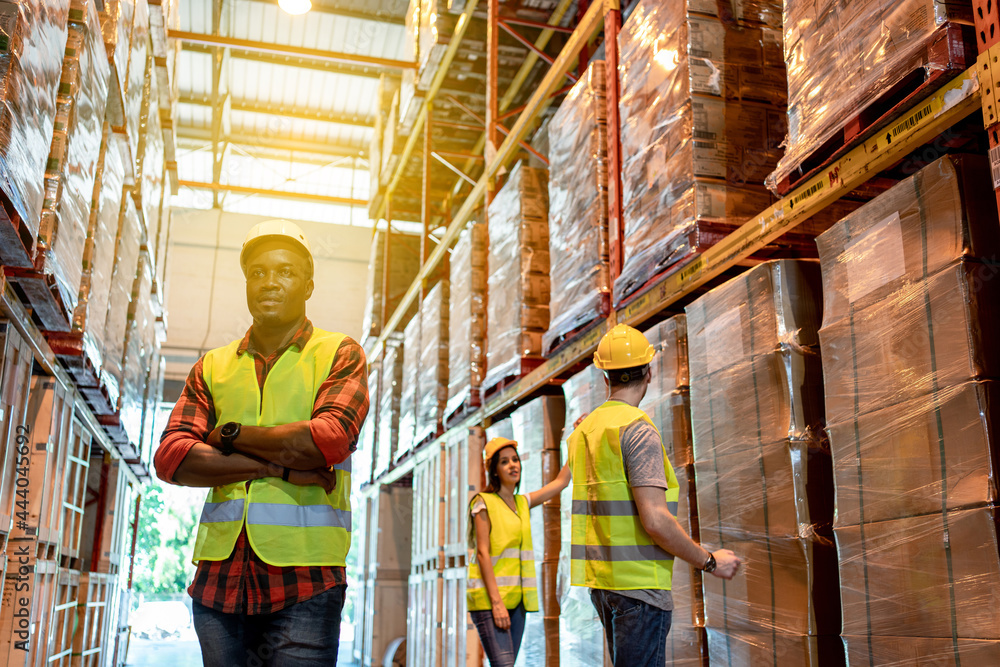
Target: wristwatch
x,y
228,434
709,565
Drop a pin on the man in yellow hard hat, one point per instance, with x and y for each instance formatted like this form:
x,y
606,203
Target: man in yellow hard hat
x,y
268,423
625,493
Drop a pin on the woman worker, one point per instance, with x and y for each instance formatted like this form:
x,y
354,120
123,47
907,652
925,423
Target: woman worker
x,y
502,585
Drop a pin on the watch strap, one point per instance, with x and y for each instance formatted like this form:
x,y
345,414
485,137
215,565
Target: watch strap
x,y
286,473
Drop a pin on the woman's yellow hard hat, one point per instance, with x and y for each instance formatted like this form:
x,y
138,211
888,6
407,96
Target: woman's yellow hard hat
x,y
495,445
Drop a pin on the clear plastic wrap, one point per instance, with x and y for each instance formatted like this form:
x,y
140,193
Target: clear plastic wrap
x,y
919,457
149,176
667,400
76,147
940,214
767,648
927,334
91,312
537,427
362,460
433,381
464,475
842,57
467,323
137,352
702,118
132,101
926,576
388,410
120,297
518,283
436,27
410,394
116,27
578,207
404,264
32,46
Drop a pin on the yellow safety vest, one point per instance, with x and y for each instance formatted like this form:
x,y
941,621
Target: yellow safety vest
x,y
512,555
287,525
610,548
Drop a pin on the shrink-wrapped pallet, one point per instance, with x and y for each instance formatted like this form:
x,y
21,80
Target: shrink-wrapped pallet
x,y
433,381
537,427
467,321
843,57
667,400
363,459
578,208
149,161
410,394
136,76
137,352
762,464
120,297
518,283
702,118
463,476
389,404
116,27
404,264
435,30
32,47
73,156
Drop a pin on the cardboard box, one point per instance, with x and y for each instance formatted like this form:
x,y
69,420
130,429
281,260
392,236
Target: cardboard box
x,y
918,457
781,489
774,648
671,414
925,576
788,585
687,646
771,397
871,651
925,335
775,302
942,213
670,365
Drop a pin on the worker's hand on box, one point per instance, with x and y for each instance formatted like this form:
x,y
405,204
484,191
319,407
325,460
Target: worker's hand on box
x,y
726,564
320,477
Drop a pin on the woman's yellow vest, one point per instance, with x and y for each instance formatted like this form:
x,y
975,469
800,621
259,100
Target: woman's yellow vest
x,y
287,524
610,548
512,555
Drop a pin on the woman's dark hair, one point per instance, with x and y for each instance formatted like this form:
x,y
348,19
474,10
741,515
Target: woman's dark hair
x,y
492,486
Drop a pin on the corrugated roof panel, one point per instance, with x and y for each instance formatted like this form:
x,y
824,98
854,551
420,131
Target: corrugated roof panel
x,y
194,72
195,165
196,16
194,115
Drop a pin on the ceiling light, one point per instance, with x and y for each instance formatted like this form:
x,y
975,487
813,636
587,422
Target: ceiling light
x,y
295,7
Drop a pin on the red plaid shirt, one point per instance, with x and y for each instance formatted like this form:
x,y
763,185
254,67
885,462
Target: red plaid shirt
x,y
243,583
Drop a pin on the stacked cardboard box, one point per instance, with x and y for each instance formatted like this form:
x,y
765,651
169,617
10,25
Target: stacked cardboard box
x,y
763,470
581,635
463,476
388,409
433,381
667,402
537,427
73,156
383,153
410,98
467,323
578,208
434,33
518,283
404,264
387,568
702,112
910,309
842,57
31,61
410,393
363,460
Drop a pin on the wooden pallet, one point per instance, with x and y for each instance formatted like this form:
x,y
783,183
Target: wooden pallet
x,y
473,401
526,365
42,611
951,51
565,339
39,292
17,242
100,398
77,353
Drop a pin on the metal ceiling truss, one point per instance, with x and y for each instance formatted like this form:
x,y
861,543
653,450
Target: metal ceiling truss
x,y
337,10
286,111
250,142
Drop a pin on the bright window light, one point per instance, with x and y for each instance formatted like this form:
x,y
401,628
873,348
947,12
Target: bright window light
x,y
295,7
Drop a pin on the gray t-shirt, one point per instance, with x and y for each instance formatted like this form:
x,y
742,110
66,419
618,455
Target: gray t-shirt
x,y
642,452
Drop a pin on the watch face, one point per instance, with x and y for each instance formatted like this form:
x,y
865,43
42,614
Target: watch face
x,y
230,430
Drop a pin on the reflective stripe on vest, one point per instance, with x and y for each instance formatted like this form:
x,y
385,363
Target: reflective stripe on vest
x,y
610,547
512,557
287,525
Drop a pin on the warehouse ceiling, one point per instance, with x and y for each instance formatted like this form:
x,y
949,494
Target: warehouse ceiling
x,y
275,112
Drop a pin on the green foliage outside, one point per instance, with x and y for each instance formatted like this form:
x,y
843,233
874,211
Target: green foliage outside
x,y
168,522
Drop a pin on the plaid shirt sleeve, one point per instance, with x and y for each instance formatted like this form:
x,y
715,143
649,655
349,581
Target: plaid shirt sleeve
x,y
192,419
341,404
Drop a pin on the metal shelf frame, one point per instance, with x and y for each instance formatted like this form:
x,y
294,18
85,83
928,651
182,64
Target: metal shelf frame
x,y
976,88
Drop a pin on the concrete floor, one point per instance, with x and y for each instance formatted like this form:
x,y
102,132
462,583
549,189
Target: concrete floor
x,y
178,653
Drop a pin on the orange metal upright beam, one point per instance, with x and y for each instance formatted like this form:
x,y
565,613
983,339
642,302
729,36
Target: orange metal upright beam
x,y
616,223
492,97
987,18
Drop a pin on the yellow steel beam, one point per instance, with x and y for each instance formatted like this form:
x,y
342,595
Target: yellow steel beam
x,y
591,22
280,194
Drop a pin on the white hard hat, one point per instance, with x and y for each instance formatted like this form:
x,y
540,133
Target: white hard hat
x,y
272,229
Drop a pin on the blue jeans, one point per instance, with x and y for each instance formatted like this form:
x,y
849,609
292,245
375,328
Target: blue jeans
x,y
500,646
307,633
636,631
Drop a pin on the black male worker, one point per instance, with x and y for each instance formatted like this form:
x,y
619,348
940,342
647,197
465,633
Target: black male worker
x,y
625,494
269,423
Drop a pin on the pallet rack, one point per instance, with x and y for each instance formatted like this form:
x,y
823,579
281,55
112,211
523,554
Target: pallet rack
x,y
970,91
